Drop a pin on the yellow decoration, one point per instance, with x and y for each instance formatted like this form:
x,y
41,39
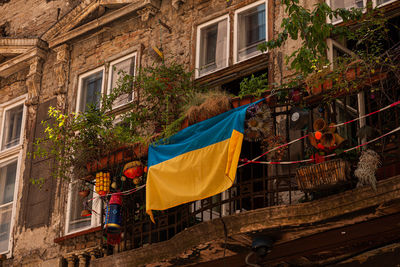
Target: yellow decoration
x,y
103,183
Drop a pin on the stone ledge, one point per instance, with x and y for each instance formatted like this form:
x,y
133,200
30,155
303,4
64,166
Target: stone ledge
x,y
262,219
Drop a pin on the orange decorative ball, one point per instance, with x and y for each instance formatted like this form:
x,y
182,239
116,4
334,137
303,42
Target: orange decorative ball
x,y
318,135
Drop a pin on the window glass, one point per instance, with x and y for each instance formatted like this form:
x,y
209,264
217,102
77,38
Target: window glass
x,y
251,31
7,184
12,127
91,91
77,204
335,4
213,47
118,70
380,2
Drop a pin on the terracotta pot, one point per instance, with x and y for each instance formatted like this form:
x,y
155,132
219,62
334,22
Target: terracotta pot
x,y
86,213
84,193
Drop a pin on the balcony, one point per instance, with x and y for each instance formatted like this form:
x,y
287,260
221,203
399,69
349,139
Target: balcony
x,y
266,197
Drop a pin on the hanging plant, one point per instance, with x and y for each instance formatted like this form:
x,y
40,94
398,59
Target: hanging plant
x,y
366,168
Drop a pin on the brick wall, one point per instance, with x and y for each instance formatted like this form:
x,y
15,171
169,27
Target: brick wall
x,y
31,18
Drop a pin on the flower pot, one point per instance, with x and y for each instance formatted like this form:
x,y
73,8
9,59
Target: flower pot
x,y
86,213
84,193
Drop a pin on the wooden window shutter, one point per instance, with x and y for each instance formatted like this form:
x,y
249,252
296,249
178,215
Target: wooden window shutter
x,y
38,200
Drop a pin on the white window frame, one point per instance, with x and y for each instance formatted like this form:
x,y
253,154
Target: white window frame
x,y
95,218
80,80
3,110
375,3
235,29
110,72
3,162
11,154
364,9
198,41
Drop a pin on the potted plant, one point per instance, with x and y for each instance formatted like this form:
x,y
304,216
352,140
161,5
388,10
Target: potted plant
x,y
84,189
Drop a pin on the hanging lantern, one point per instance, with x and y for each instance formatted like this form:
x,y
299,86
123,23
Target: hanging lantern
x,y
114,215
103,183
133,169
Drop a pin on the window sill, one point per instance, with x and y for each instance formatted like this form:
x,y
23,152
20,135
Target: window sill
x,y
10,151
82,233
232,72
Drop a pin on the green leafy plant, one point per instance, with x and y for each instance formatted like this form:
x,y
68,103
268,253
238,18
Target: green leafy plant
x,y
255,85
76,139
312,28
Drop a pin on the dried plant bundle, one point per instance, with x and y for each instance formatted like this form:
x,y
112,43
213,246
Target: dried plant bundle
x,y
366,168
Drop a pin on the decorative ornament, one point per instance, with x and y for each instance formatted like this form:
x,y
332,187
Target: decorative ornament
x,y
271,142
296,96
133,169
103,183
298,118
366,168
259,123
86,213
114,219
325,137
114,185
318,135
137,180
321,109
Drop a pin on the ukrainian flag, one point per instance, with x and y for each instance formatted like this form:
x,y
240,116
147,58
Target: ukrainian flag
x,y
198,162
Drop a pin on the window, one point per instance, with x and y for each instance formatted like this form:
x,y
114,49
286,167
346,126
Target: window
x,y
348,4
8,175
12,126
119,68
212,46
90,89
12,116
250,30
76,222
383,2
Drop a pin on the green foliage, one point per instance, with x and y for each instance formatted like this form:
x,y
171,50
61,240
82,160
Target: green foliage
x,y
254,85
161,93
75,139
312,28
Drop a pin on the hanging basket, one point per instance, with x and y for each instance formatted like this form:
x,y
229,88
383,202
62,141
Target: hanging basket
x,y
323,176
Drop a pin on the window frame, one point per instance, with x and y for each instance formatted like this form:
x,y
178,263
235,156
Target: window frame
x,y
235,29
198,46
328,2
95,219
4,161
3,110
111,70
80,81
375,3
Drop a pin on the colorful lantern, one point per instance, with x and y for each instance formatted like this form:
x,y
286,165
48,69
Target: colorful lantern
x,y
114,215
133,169
103,183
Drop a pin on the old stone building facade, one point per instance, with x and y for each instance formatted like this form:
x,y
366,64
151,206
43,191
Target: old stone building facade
x,y
51,50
